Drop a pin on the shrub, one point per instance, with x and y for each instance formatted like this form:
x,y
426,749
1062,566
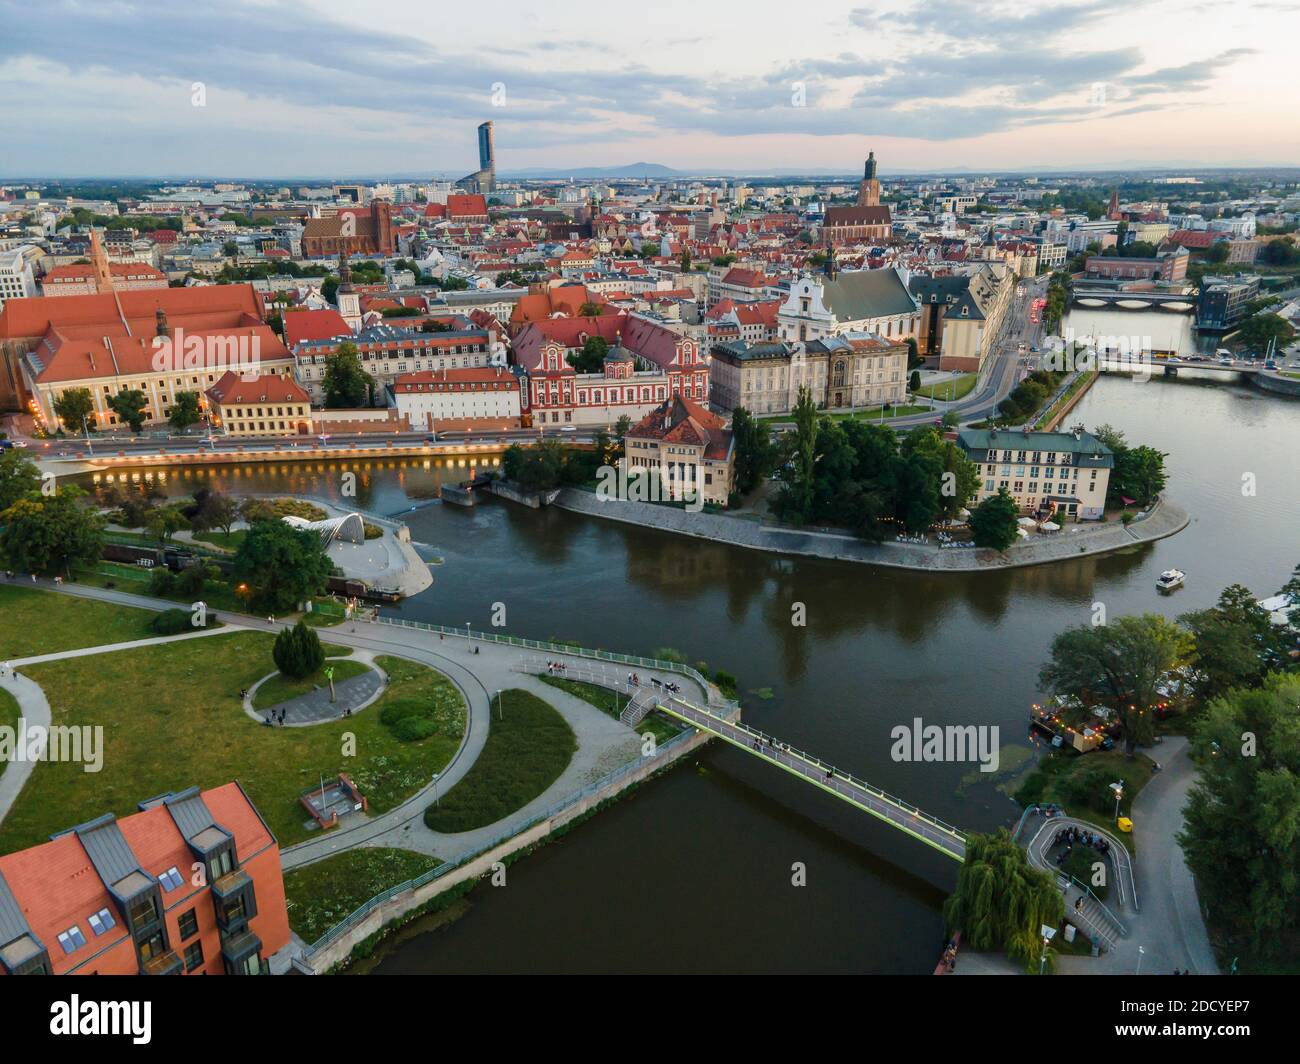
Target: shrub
x,y
372,531
172,622
409,720
298,652
162,582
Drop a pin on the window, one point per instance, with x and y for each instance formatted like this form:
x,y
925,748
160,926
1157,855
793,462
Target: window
x,y
194,956
188,925
72,939
102,921
170,880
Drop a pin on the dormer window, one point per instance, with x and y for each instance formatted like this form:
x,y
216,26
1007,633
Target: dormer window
x,y
102,921
170,880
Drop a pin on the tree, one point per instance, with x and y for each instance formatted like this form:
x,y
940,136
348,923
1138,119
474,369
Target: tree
x,y
755,452
1240,824
589,310
1139,474
217,510
164,522
129,405
1236,644
1261,330
591,359
76,409
253,509
621,428
50,534
913,353
346,384
993,522
281,565
1118,665
1001,902
797,495
298,652
914,381
185,410
1218,252
19,477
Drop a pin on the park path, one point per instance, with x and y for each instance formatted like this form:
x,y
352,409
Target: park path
x,y
113,648
1169,929
602,741
34,708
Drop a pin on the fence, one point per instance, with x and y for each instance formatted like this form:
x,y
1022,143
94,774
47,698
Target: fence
x,y
450,866
564,648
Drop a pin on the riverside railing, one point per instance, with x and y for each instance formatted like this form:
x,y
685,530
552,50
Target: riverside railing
x,y
446,867
558,648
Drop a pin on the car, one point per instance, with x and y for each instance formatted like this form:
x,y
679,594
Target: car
x,y
1270,364
568,428
431,438
1225,362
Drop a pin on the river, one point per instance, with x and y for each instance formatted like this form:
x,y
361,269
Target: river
x,y
693,872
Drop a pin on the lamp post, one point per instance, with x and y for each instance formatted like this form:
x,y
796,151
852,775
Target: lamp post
x,y
435,787
1047,933
500,711
1117,789
1141,951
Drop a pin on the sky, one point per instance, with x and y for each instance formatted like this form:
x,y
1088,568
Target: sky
x,y
319,88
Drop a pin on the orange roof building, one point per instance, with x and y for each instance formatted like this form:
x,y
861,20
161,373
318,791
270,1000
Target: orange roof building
x,y
690,450
80,279
159,342
189,885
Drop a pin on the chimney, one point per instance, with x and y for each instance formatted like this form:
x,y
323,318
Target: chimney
x,y
160,322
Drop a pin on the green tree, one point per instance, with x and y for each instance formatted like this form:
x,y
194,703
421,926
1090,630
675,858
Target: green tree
x,y
298,652
1118,665
76,409
19,477
185,410
346,383
589,310
217,510
281,565
1236,644
1257,332
164,522
1001,902
50,534
1139,474
129,405
1242,821
914,381
755,454
621,428
591,359
797,495
993,522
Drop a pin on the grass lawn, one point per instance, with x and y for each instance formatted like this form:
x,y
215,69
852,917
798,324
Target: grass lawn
x,y
226,540
8,718
527,748
137,580
901,410
959,387
33,621
280,688
322,894
172,719
612,704
1080,783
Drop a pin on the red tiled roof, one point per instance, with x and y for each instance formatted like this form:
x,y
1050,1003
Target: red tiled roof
x,y
678,420
302,325
569,333
267,388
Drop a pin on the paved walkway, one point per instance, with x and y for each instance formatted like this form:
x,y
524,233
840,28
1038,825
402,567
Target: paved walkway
x,y
35,710
1169,930
315,707
113,648
603,743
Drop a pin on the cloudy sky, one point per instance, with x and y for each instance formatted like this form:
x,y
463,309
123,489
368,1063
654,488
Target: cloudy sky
x,y
320,88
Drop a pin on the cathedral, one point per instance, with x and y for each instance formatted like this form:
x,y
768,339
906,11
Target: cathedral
x,y
868,221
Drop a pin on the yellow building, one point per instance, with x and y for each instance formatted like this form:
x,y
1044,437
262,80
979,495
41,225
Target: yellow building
x,y
263,406
1062,475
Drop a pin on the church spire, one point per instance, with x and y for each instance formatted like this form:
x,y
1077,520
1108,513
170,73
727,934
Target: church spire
x,y
99,258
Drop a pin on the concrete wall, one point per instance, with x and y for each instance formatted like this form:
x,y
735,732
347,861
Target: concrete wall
x,y
1276,384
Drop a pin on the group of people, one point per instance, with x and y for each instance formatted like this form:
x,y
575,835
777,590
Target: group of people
x,y
948,541
1072,835
273,717
556,668
950,955
667,685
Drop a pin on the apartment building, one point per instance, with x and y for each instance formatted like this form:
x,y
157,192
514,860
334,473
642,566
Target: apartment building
x,y
691,450
188,885
434,397
267,405
16,277
1063,475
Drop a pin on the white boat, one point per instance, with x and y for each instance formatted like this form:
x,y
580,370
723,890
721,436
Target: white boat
x,y
1170,579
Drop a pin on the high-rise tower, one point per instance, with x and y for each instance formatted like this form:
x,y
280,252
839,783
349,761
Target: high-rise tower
x,y
484,179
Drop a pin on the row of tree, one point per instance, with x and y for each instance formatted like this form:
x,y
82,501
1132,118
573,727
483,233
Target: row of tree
x,y
75,408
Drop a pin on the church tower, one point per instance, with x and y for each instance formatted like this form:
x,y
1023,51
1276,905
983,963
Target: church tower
x,y
869,187
99,259
348,300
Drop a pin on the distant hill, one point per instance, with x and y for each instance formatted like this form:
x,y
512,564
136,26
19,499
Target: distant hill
x,y
631,170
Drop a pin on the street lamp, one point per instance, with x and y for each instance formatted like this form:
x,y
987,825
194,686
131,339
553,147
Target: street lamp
x,y
1118,790
497,696
1141,951
435,788
1048,933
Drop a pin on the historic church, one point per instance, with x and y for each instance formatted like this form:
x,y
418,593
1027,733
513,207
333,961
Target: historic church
x,y
867,221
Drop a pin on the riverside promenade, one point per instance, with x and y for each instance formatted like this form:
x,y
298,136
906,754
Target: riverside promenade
x,y
1073,541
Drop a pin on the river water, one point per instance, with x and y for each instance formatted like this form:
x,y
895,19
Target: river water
x,y
693,872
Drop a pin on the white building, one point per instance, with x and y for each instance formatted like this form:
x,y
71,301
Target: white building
x,y
433,397
16,277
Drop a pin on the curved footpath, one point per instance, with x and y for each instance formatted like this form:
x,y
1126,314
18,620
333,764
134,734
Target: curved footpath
x,y
1073,541
603,742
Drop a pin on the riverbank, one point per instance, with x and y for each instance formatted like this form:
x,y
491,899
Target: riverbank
x,y
1073,541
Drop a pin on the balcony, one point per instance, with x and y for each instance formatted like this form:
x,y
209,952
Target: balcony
x,y
166,963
